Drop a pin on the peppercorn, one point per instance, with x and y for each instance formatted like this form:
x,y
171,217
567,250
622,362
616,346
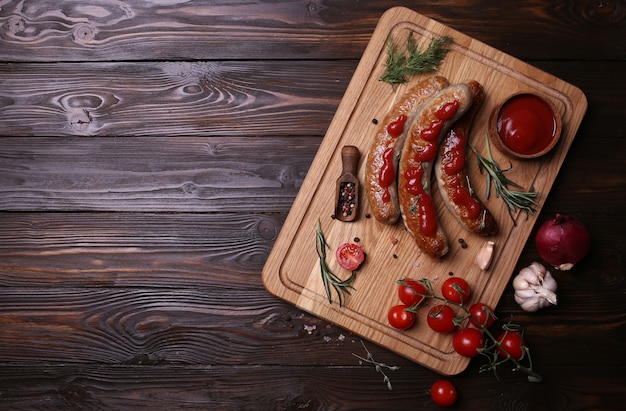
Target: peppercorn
x,y
347,198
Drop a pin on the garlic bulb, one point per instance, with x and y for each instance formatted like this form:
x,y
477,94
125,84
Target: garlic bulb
x,y
534,288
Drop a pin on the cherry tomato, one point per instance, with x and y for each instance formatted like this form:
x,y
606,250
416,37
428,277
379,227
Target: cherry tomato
x,y
411,292
467,342
350,256
440,318
456,289
481,315
400,318
443,393
512,344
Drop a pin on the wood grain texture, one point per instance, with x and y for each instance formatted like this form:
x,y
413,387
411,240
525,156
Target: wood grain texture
x,y
286,389
210,325
95,387
158,174
170,98
194,30
149,153
130,249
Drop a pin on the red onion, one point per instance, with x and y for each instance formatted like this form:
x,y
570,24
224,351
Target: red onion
x,y
562,241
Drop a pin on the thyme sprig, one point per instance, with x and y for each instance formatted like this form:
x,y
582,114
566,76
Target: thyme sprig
x,y
411,60
524,200
379,366
493,347
329,279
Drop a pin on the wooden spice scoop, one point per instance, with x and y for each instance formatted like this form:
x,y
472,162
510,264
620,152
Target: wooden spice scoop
x,y
347,200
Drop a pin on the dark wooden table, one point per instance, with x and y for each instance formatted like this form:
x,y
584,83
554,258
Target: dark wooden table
x,y
150,153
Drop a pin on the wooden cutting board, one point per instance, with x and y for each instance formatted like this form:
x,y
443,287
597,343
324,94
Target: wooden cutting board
x,y
292,271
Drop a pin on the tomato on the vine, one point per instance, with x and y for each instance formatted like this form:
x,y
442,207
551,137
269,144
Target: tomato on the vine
x,y
400,318
440,318
443,393
467,342
455,289
481,315
350,256
411,292
512,344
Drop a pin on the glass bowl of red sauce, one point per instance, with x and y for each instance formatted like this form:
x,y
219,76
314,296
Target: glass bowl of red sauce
x,y
525,126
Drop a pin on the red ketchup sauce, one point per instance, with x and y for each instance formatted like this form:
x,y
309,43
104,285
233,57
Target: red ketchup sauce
x,y
387,173
447,110
431,132
425,152
426,208
396,127
526,124
454,162
462,197
454,156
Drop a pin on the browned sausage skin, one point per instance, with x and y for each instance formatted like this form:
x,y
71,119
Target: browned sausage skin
x,y
451,173
382,160
432,121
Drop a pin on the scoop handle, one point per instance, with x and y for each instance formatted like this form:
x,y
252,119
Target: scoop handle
x,y
350,159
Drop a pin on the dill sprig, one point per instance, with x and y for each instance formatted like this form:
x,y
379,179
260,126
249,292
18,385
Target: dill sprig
x,y
524,200
329,279
412,60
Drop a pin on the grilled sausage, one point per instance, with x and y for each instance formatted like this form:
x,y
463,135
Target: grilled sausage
x,y
451,173
382,159
431,123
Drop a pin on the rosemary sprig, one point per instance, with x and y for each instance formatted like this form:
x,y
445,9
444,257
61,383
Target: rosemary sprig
x,y
514,199
329,279
379,366
412,60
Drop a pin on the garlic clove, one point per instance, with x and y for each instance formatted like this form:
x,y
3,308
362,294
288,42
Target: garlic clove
x,y
530,305
485,255
547,295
